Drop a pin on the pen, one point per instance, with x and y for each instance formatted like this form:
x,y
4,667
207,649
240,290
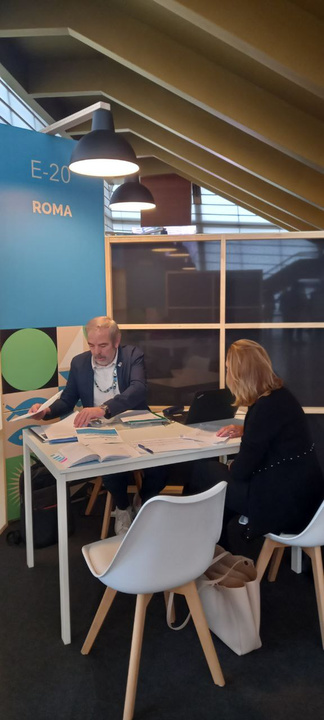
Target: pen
x,y
185,437
145,448
63,440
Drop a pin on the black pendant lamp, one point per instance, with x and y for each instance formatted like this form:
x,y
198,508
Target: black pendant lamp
x,y
132,195
103,153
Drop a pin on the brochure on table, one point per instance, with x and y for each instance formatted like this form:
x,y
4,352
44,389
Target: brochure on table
x,y
65,431
102,442
30,414
196,439
71,454
141,417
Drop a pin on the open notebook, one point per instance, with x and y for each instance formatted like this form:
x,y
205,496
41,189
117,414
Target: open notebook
x,y
71,454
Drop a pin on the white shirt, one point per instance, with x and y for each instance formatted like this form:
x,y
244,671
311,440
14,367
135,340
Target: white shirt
x,y
103,375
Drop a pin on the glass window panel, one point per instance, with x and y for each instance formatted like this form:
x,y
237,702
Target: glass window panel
x,y
279,280
219,217
210,198
17,121
39,124
219,228
228,211
250,218
5,112
256,229
178,362
3,91
162,290
130,216
20,108
297,357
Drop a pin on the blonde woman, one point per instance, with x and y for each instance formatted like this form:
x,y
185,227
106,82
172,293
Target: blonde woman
x,y
275,479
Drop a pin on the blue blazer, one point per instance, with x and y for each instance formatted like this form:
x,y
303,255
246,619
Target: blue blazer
x,y
131,382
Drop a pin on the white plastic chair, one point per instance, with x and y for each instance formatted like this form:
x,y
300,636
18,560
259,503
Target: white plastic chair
x,y
170,543
97,488
310,540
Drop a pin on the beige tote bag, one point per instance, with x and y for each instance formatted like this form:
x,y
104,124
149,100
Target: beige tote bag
x,y
230,595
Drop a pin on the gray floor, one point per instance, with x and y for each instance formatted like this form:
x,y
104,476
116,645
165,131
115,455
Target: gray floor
x,y
43,679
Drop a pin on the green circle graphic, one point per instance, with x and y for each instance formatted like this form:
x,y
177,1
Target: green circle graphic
x,y
29,359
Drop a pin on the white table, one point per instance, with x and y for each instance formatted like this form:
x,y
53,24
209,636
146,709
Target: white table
x,y
31,443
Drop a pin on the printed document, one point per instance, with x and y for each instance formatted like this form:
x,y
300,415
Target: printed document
x,y
73,454
141,416
194,439
60,430
45,405
104,434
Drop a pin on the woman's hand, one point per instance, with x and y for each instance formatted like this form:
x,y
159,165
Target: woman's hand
x,y
231,431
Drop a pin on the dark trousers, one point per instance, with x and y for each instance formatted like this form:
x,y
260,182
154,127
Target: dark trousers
x,y
153,482
203,475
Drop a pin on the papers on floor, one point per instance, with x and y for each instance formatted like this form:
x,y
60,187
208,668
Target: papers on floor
x,y
45,405
145,417
72,454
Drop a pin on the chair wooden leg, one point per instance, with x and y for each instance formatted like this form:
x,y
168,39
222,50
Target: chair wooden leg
x,y
135,655
315,555
275,563
99,617
264,557
106,517
93,497
193,600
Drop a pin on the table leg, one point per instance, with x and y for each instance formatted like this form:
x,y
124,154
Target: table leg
x,y
63,552
28,506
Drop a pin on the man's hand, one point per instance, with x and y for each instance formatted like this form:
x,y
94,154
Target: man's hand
x,y
40,415
232,431
84,417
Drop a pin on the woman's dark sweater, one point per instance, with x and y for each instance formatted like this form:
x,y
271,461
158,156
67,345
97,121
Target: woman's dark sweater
x,y
278,461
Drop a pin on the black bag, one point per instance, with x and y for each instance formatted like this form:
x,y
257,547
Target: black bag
x,y
44,506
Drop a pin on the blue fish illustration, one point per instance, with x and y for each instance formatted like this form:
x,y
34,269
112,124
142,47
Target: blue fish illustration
x,y
16,438
23,407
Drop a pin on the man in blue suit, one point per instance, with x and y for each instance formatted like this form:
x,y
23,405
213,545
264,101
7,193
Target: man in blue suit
x,y
108,379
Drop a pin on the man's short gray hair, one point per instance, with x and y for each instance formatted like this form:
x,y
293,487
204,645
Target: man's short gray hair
x,y
104,322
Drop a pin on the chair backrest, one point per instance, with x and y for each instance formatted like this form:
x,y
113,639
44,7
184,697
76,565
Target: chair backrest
x,y
170,542
208,405
313,534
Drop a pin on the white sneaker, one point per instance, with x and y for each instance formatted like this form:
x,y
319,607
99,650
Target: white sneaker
x,y
123,520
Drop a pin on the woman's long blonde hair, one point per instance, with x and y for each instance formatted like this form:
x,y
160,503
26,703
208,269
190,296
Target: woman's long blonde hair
x,y
249,372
